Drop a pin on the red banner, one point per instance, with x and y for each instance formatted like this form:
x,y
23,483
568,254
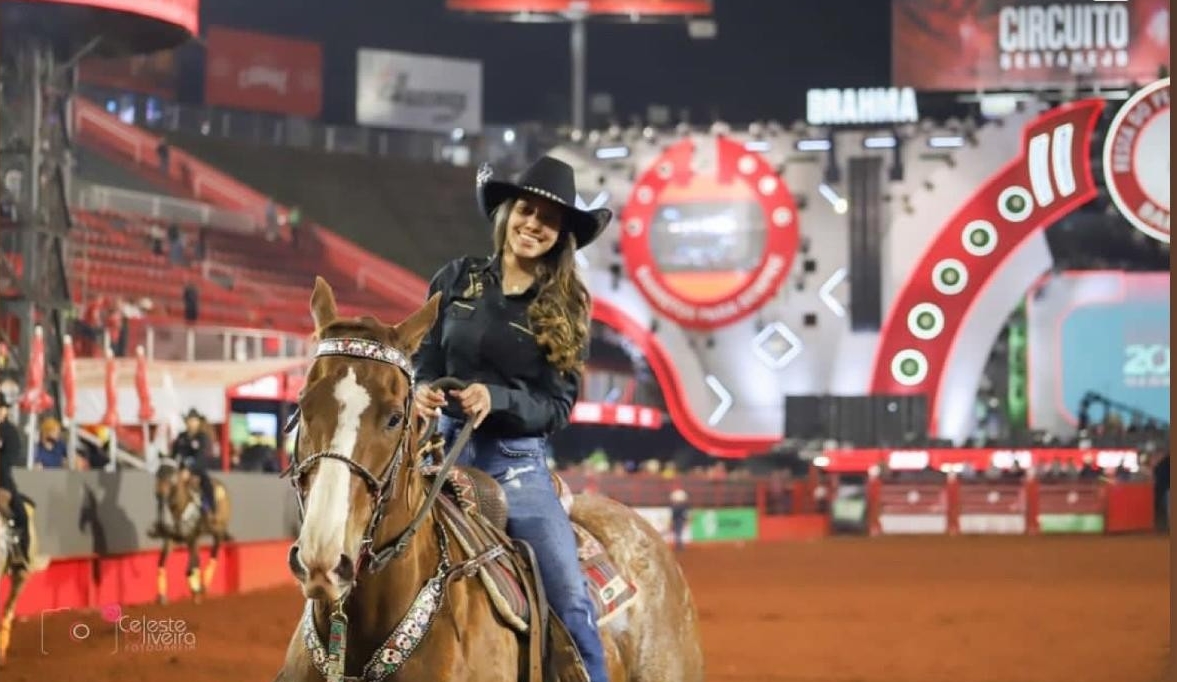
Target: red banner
x,y
246,70
917,459
1011,44
152,74
648,7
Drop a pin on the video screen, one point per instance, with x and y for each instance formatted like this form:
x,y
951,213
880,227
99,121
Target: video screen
x,y
721,236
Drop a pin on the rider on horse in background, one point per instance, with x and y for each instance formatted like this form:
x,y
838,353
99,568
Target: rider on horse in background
x,y
192,450
12,454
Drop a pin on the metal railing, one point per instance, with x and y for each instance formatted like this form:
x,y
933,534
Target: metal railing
x,y
508,147
92,197
168,341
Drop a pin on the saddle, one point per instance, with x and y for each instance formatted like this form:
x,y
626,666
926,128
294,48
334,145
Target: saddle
x,y
473,510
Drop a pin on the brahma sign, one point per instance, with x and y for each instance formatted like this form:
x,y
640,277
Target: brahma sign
x,y
1000,44
709,248
261,72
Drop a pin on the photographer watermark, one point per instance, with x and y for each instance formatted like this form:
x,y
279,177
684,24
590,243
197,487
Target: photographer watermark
x,y
122,632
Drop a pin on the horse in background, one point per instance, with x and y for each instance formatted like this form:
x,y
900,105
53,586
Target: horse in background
x,y
407,570
18,569
181,494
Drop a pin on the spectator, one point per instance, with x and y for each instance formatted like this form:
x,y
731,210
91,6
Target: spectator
x,y
271,221
50,451
175,245
201,242
294,220
1160,482
258,455
117,328
191,303
164,152
680,512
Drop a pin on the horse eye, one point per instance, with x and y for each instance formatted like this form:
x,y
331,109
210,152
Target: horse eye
x,y
395,420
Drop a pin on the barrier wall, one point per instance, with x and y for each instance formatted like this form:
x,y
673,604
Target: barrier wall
x,y
955,507
93,525
99,513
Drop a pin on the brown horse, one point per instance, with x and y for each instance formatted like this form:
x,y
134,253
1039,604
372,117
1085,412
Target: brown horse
x,y
181,494
388,582
17,570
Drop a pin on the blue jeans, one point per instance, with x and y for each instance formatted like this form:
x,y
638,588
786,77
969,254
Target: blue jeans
x,y
534,514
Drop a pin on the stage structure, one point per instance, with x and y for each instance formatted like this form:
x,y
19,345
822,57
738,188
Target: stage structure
x,y
577,13
41,43
827,260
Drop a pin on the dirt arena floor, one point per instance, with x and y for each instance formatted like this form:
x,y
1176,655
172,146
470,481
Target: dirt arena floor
x,y
840,610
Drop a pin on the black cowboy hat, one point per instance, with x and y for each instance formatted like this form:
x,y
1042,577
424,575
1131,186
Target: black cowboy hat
x,y
193,413
551,179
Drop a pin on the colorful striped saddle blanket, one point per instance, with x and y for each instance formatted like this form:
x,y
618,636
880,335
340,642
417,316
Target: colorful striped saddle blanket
x,y
612,593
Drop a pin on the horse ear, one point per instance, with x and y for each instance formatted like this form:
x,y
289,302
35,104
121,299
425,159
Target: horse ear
x,y
414,327
323,304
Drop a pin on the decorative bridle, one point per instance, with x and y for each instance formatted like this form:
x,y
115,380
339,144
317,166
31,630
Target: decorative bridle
x,y
329,659
382,488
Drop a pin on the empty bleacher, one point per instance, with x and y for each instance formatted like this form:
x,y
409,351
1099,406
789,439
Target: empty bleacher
x,y
243,279
417,215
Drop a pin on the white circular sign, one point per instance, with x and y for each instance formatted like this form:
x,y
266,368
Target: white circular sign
x,y
1136,160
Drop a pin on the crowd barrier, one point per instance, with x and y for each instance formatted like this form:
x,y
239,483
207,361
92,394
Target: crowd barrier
x,y
93,524
953,506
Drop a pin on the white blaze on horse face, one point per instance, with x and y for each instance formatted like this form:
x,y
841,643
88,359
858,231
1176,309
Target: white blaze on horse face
x,y
321,540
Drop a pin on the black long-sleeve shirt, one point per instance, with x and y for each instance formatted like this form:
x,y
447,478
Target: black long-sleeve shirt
x,y
12,454
483,336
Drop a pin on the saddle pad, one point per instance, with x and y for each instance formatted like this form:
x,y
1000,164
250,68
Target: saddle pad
x,y
612,593
498,577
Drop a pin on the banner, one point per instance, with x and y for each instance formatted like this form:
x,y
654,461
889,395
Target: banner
x,y
1070,523
150,74
1011,44
714,525
418,92
260,72
627,7
860,460
1101,331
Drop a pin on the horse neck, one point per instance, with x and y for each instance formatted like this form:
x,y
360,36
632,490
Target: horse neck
x,y
380,600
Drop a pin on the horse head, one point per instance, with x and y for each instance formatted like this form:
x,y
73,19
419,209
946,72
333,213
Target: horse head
x,y
355,433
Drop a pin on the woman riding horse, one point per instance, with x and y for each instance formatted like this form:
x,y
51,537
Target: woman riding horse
x,y
515,326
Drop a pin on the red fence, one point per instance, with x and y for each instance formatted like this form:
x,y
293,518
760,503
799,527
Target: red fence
x,y
954,507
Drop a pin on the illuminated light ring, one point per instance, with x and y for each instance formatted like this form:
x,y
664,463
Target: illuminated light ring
x,y
909,357
1015,204
921,312
985,228
940,272
733,163
1071,124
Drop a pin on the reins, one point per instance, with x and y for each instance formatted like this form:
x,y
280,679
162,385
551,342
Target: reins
x,y
382,489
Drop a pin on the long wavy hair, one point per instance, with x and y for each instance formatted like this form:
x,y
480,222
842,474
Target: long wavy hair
x,y
559,315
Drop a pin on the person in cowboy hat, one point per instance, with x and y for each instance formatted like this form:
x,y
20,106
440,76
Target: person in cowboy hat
x,y
191,450
515,326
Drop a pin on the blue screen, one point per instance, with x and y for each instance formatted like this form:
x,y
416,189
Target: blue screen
x,y
1120,350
